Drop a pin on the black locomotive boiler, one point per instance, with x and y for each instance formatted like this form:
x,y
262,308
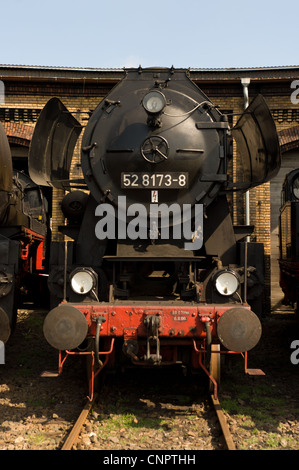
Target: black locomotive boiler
x,y
23,232
289,241
154,272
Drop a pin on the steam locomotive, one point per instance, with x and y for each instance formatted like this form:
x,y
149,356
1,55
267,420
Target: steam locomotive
x,y
288,240
152,271
23,232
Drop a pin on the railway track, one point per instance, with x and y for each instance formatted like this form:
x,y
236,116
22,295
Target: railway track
x,y
223,424
74,434
37,413
76,429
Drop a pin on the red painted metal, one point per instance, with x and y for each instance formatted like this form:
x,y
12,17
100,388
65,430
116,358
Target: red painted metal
x,y
40,256
30,239
176,321
180,325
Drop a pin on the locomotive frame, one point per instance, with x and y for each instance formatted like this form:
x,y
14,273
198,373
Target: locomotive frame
x,y
149,301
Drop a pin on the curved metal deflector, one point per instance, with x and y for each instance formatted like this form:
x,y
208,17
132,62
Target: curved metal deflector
x,y
53,142
257,142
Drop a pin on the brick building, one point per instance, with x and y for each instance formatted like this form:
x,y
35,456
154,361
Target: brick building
x,y
27,89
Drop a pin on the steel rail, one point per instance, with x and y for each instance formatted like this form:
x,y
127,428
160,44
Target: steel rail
x,y
223,423
76,429
73,435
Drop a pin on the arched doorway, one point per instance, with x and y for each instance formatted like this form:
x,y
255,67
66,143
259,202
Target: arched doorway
x,y
289,146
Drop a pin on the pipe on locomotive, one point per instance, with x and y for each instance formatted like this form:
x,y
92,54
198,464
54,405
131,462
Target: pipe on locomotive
x,y
100,319
245,83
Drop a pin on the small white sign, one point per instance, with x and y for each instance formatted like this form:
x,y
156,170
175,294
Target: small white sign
x,y
155,196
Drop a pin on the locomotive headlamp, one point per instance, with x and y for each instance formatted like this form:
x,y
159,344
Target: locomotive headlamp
x,y
83,280
154,102
226,282
295,187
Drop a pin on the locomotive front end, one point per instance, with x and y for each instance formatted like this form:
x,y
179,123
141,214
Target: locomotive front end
x,y
156,272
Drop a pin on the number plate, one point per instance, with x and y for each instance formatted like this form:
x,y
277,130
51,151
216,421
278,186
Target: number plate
x,y
172,180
